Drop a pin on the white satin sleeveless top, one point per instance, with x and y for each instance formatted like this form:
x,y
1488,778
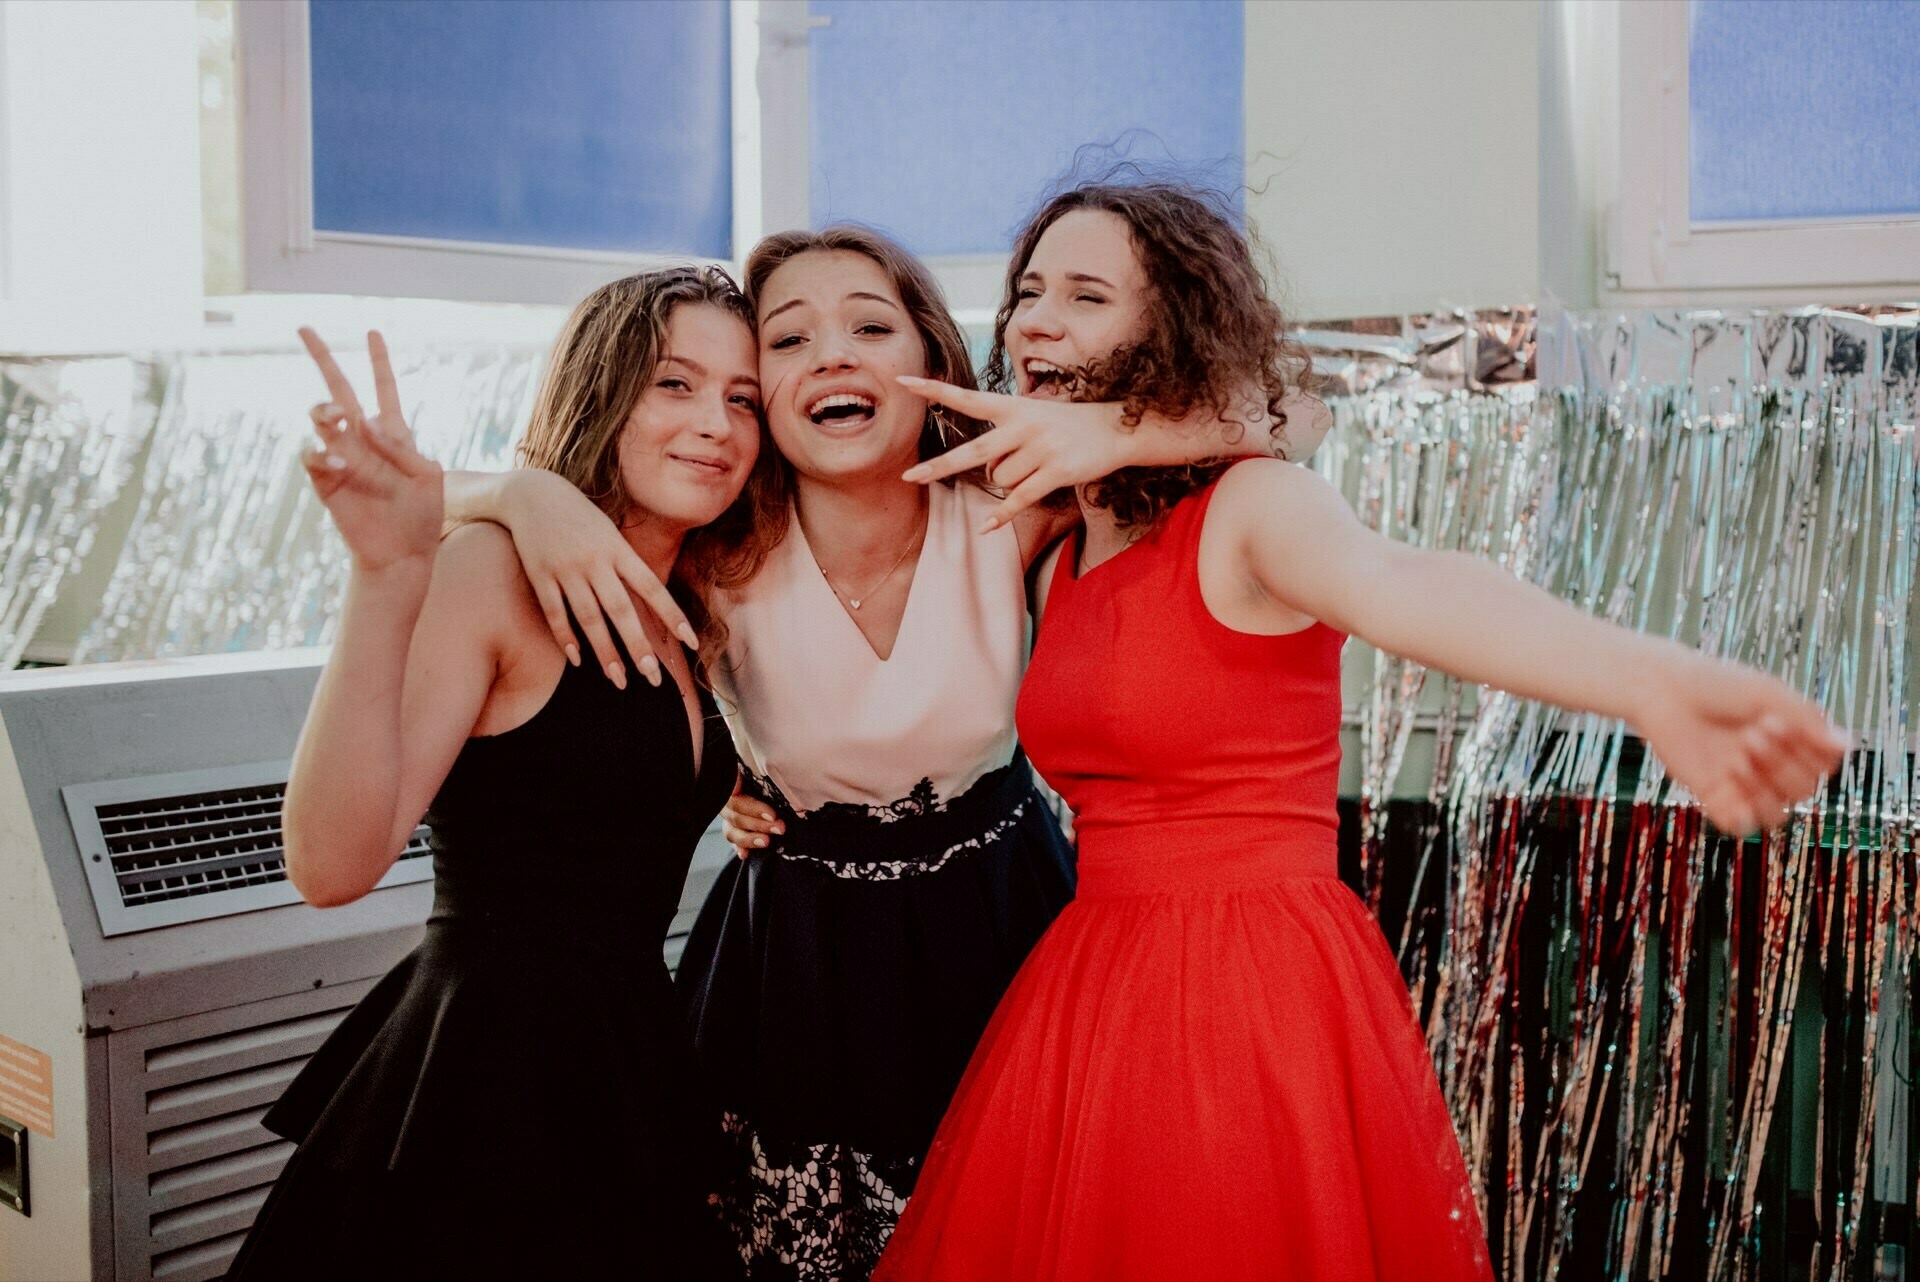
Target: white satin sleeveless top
x,y
814,709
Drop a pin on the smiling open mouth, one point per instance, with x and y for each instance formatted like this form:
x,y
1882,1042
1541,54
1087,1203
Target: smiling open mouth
x,y
842,407
1045,377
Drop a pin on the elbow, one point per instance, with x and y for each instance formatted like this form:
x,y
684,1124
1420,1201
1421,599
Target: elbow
x,y
327,897
309,868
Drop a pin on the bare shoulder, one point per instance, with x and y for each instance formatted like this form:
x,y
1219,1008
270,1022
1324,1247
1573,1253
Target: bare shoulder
x,y
478,557
477,580
1257,491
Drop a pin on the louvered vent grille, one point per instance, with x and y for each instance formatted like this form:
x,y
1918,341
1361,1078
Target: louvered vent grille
x,y
202,843
166,849
192,1164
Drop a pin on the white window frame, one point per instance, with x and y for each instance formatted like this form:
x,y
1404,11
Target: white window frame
x,y
1655,246
972,282
285,253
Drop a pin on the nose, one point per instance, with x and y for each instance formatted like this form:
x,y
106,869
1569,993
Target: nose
x,y
833,352
1039,319
713,420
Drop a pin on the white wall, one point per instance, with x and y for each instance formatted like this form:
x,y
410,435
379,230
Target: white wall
x,y
99,174
1402,139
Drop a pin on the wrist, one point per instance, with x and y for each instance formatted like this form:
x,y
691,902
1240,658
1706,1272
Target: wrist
x,y
405,576
1129,442
511,495
1666,669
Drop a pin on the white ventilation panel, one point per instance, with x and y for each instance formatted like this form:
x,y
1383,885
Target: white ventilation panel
x,y
164,849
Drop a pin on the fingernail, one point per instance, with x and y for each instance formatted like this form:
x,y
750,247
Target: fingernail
x,y
990,526
918,473
617,673
688,635
573,655
650,667
760,841
780,829
911,380
335,463
330,410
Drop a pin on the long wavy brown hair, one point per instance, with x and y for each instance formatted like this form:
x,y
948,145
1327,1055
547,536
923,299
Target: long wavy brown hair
x,y
1212,333
603,361
947,357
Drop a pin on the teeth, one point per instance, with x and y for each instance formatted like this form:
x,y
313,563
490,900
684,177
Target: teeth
x,y
838,399
1043,367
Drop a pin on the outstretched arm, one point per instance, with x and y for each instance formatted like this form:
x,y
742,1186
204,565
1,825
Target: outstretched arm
x,y
1743,742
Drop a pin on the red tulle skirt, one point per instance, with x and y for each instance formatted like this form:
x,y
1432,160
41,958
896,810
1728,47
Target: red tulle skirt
x,y
1226,1083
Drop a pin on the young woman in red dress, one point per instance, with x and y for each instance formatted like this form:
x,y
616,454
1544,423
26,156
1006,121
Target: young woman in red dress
x,y
1209,1066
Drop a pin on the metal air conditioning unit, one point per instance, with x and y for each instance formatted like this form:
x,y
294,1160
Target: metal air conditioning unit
x,y
160,981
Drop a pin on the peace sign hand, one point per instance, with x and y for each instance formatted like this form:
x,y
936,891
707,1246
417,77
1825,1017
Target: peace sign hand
x,y
1038,446
1034,448
383,494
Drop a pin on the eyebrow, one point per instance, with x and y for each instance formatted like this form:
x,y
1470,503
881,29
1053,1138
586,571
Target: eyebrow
x,y
701,370
1081,277
858,293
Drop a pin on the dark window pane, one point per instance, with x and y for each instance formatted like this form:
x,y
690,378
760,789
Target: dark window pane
x,y
571,124
1804,108
943,121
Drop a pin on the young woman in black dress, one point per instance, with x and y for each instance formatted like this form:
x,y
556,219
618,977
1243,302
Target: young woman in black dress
x,y
512,1100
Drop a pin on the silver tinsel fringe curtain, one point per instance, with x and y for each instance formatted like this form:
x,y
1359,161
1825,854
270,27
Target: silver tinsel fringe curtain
x,y
1668,1054
228,549
71,433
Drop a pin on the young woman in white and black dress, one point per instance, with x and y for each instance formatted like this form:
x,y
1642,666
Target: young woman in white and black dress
x,y
900,861
513,1100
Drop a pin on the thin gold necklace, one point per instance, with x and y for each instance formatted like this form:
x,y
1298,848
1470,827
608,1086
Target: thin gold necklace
x,y
854,602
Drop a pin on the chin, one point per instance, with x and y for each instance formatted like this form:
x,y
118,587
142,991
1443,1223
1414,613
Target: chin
x,y
858,458
687,510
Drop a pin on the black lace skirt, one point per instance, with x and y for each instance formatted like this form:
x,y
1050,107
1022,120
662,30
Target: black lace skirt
x,y
836,983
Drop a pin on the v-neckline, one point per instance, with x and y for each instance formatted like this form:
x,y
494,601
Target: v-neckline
x,y
697,753
1079,550
840,607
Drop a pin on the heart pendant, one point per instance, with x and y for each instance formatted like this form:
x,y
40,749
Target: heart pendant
x,y
855,604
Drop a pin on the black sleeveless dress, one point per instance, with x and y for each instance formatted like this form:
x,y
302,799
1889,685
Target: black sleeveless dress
x,y
513,1100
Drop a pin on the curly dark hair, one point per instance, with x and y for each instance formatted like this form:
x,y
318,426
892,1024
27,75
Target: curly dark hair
x,y
1212,332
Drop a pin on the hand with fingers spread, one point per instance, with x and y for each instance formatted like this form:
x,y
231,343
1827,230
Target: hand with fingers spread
x,y
576,559
382,493
1038,444
1746,746
748,823
1033,448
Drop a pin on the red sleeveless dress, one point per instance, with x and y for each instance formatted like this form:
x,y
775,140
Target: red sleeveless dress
x,y
1209,1067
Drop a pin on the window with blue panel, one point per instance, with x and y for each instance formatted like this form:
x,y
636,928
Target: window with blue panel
x,y
1804,109
945,121
567,124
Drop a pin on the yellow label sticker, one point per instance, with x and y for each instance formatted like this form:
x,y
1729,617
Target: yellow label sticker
x,y
26,1086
